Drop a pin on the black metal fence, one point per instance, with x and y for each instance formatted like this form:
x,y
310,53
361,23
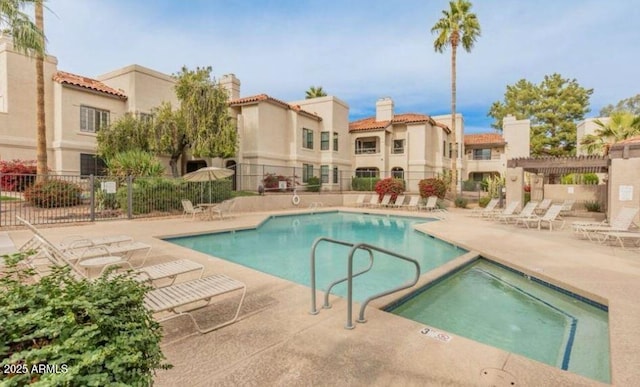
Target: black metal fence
x,y
68,199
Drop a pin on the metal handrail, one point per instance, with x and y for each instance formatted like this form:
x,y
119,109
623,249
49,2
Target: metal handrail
x,y
313,267
327,305
369,247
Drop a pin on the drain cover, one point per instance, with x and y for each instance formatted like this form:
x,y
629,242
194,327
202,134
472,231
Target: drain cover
x,y
497,377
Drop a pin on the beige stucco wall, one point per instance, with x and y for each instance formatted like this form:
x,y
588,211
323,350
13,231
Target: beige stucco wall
x,y
516,134
580,193
624,185
584,128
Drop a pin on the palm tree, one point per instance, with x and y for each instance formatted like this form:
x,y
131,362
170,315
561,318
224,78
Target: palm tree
x,y
457,26
26,36
41,132
315,92
621,125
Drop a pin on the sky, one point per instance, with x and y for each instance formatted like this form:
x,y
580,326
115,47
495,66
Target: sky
x,y
358,50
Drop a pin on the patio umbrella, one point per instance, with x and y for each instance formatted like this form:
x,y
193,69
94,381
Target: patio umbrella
x,y
208,174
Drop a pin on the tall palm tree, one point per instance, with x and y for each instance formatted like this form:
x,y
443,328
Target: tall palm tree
x,y
26,36
315,92
458,25
621,125
41,133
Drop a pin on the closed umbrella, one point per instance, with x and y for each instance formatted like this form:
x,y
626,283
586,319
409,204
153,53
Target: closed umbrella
x,y
208,174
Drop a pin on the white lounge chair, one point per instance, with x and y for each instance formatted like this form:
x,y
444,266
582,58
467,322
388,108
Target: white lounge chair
x,y
549,218
543,206
487,210
190,209
168,270
527,211
567,207
398,202
360,201
386,199
373,202
222,209
620,237
414,203
509,210
170,298
432,206
622,222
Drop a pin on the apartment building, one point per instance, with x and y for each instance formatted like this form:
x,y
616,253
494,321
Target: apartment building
x,y
75,108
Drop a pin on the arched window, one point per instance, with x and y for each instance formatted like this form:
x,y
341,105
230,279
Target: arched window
x,y
397,173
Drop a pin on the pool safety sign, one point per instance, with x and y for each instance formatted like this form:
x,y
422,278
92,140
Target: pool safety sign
x,y
434,334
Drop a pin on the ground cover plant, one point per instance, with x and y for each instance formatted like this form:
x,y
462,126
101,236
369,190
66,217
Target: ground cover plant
x,y
391,186
64,331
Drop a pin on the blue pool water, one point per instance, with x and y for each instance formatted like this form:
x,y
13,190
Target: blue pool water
x,y
281,246
491,304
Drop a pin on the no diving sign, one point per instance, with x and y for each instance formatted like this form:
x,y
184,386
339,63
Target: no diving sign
x,y
434,334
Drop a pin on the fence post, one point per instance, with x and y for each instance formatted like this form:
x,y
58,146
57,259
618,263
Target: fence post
x,y
129,197
0,202
92,197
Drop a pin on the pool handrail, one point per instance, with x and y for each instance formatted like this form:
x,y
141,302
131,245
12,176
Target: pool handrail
x,y
364,304
327,292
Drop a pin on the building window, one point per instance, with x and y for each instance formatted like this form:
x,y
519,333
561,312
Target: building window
x,y
450,150
92,119
307,138
444,148
324,141
397,173
367,172
335,141
335,175
145,117
398,146
324,174
92,165
366,145
482,154
307,172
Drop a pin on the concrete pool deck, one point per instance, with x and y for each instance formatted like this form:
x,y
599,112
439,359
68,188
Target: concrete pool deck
x,y
277,342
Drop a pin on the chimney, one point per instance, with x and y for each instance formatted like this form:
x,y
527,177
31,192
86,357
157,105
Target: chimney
x,y
384,109
232,84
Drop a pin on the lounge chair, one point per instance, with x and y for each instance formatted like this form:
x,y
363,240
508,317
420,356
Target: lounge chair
x,y
170,298
432,206
508,211
543,206
486,211
549,218
226,207
622,222
398,202
386,199
168,270
360,201
620,237
567,207
414,203
190,209
527,212
373,202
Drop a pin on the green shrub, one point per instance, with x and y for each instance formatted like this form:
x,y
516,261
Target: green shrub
x,y
364,183
590,178
96,333
461,202
527,197
53,193
432,187
166,194
134,163
106,201
271,182
483,201
391,186
580,178
470,185
314,184
592,206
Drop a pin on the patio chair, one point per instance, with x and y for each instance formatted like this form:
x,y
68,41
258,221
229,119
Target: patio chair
x,y
373,202
360,201
414,203
543,206
486,211
190,209
622,222
170,298
168,270
549,217
386,199
226,207
527,211
567,207
398,202
620,237
508,211
432,206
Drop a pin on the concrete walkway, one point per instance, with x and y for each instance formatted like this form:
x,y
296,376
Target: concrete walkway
x,y
277,342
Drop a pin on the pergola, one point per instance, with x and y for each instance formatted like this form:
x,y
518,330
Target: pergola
x,y
561,165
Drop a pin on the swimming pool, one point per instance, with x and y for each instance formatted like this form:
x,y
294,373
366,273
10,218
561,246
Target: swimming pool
x,y
281,247
506,309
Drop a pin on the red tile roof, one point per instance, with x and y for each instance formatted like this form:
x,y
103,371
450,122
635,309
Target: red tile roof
x,y
484,139
264,97
370,123
87,83
630,140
